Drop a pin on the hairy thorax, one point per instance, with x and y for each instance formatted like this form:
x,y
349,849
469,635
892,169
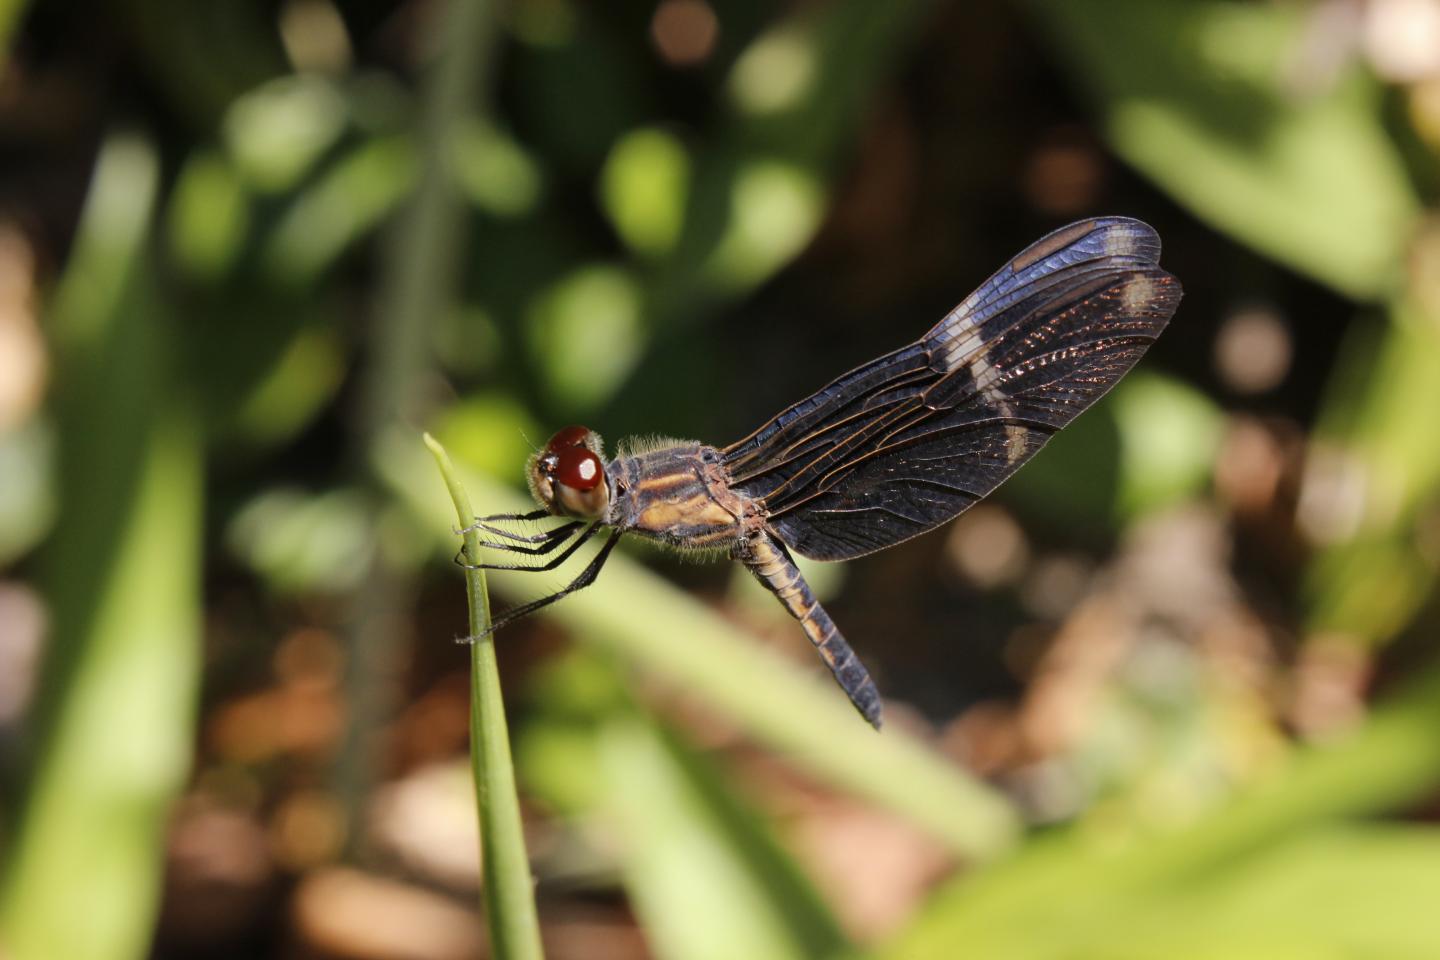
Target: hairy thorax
x,y
677,493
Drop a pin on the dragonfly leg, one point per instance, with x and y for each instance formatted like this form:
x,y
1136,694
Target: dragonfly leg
x,y
770,562
545,542
587,577
550,564
481,522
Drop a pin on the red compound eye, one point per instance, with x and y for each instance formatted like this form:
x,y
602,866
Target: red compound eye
x,y
578,468
569,437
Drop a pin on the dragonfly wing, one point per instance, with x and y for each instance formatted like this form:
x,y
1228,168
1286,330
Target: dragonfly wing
x,y
767,458
891,450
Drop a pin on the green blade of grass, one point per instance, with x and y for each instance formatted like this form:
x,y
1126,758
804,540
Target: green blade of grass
x,y
508,886
706,876
115,712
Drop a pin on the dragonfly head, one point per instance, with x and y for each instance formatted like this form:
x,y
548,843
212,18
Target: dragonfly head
x,y
568,476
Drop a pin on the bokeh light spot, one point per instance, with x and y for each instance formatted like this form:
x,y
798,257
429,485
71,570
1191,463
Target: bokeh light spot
x,y
987,547
314,36
277,131
774,210
684,31
643,189
775,73
1253,350
586,336
495,172
208,216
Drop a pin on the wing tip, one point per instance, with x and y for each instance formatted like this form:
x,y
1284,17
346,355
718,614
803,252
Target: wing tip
x,y
1128,237
1117,237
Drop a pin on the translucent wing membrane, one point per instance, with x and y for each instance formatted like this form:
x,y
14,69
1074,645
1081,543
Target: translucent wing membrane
x,y
908,441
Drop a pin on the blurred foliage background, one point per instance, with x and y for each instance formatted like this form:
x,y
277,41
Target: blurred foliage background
x,y
1173,693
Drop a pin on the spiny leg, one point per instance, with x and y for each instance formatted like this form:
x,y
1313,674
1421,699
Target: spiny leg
x,y
555,537
480,522
550,564
541,537
587,577
547,541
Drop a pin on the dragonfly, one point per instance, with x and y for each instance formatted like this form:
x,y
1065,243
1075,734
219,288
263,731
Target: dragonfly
x,y
890,450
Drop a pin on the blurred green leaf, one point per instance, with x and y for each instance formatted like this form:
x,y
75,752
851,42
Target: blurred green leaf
x,y
704,873
27,488
586,334
117,701
1169,435
1361,891
643,189
1199,94
346,201
300,542
208,216
1368,588
703,869
1081,892
492,432
10,11
278,131
467,340
1373,467
544,23
777,72
294,390
493,170
557,749
248,346
774,211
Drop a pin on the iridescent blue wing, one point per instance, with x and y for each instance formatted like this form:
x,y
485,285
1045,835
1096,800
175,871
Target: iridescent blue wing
x,y
910,440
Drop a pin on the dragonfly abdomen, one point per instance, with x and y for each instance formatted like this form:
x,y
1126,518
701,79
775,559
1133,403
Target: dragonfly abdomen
x,y
773,567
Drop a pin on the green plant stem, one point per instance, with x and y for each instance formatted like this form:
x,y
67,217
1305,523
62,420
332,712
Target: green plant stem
x,y
417,285
508,886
